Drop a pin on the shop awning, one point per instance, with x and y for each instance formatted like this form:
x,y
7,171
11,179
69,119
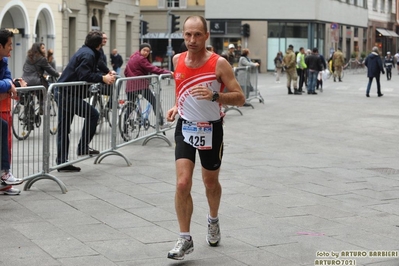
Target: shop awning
x,y
393,34
387,33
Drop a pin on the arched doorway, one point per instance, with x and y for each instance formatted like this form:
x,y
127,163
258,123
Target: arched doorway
x,y
44,28
14,18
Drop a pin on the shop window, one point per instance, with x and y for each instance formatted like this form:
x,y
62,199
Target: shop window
x,y
172,3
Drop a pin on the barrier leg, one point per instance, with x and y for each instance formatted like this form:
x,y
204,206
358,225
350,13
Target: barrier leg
x,y
32,179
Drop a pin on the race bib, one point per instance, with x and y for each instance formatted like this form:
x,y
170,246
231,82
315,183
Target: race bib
x,y
198,134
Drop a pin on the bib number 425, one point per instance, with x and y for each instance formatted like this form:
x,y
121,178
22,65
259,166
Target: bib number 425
x,y
197,141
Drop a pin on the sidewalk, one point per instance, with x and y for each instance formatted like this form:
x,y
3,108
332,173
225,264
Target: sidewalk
x,y
304,177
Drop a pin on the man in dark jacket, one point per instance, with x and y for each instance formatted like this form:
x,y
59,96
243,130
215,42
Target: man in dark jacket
x,y
116,61
314,65
374,66
82,67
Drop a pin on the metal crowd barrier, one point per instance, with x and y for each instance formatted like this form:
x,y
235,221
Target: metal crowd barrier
x,y
134,113
32,132
247,77
46,142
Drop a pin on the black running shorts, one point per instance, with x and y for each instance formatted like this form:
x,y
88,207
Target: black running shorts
x,y
210,159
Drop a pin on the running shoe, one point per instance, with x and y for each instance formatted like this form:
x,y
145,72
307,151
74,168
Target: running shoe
x,y
9,179
213,236
182,247
9,190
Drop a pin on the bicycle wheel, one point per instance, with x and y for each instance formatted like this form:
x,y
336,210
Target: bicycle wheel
x,y
96,101
21,125
129,122
53,116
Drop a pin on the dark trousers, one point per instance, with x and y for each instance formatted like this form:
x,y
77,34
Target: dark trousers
x,y
377,79
68,106
301,75
389,73
5,159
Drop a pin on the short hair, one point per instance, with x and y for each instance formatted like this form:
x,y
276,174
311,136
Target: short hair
x,y
245,52
375,49
4,35
315,50
94,39
291,47
201,18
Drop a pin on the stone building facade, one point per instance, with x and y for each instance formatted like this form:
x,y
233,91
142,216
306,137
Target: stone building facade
x,y
63,25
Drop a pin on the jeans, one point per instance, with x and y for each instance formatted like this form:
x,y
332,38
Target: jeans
x,y
5,159
68,106
377,79
312,80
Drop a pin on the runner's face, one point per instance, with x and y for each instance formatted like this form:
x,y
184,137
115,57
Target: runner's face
x,y
5,51
194,35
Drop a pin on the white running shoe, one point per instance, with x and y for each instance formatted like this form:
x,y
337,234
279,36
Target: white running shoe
x,y
213,236
182,247
9,190
9,179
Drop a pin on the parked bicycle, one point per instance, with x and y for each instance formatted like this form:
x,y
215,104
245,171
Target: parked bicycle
x,y
100,102
133,118
137,116
26,115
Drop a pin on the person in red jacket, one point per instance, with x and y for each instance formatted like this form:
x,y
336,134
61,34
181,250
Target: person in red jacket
x,y
140,65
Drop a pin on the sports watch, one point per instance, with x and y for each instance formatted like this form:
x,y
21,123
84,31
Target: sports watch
x,y
215,96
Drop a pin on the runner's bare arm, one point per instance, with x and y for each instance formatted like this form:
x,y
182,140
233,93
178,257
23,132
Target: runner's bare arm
x,y
225,74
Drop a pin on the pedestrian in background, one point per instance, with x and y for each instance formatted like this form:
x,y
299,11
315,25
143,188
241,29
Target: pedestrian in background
x,y
320,77
314,65
82,67
51,61
243,76
289,61
388,64
301,67
140,64
209,48
34,67
278,64
200,77
397,60
116,61
231,54
338,62
373,63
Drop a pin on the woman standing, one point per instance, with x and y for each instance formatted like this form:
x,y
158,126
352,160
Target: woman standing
x,y
278,63
243,76
139,64
35,65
